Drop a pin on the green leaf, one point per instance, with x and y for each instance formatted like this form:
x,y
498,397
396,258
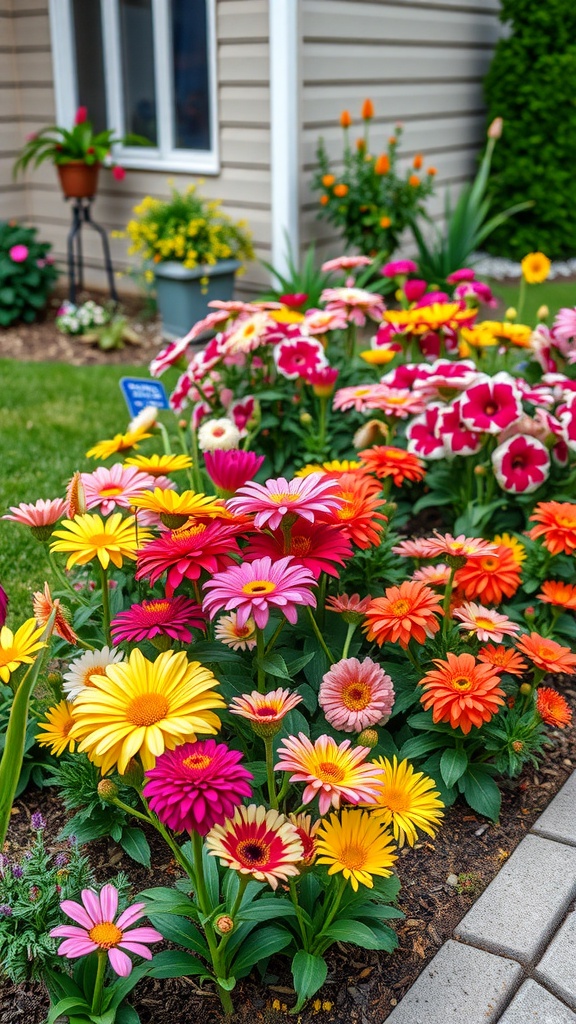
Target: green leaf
x,y
259,946
417,746
182,932
71,1004
135,844
453,764
163,900
173,963
481,791
228,984
127,1015
309,973
360,934
274,665
266,910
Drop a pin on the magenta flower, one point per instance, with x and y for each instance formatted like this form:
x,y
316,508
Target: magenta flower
x,y
415,289
298,357
318,547
444,377
461,275
256,587
18,253
231,469
197,786
243,411
323,380
99,931
477,291
423,439
185,553
117,486
3,605
491,404
521,464
81,115
118,173
306,496
399,268
356,695
457,440
171,617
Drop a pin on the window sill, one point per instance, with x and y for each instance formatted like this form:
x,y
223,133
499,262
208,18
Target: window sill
x,y
187,163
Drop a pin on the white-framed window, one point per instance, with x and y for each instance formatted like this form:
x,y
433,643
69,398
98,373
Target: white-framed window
x,y
142,66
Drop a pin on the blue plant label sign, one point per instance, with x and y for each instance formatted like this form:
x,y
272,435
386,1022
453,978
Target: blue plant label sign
x,y
142,391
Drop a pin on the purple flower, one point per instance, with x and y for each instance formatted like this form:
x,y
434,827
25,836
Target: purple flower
x,y
37,821
61,859
17,871
5,910
3,605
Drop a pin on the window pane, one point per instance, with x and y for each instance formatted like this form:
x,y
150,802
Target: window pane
x,y
137,46
190,55
89,54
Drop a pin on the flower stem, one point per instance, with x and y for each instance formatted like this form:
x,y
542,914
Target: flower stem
x,y
196,475
99,982
272,641
260,652
298,909
349,634
446,603
319,636
206,908
272,795
105,605
165,438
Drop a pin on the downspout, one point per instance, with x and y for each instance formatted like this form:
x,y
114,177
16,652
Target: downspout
x,y
284,134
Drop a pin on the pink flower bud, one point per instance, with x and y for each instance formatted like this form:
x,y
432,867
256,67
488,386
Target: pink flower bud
x,y
118,173
495,129
81,115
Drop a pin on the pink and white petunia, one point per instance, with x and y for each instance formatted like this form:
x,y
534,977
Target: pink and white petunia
x,y
423,438
298,357
487,623
308,497
491,404
521,464
446,379
457,440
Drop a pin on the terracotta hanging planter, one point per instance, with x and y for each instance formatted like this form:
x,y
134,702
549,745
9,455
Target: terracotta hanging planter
x,y
78,180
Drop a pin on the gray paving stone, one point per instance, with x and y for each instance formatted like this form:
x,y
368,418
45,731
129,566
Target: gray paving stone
x,y
461,985
557,968
518,912
559,819
534,1005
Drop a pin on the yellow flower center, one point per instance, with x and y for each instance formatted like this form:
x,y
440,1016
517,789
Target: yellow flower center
x,y
97,541
330,772
400,607
259,587
565,519
356,696
98,670
396,800
547,653
7,655
111,492
197,762
147,709
300,545
462,683
266,711
105,935
485,623
282,499
489,563
253,854
353,857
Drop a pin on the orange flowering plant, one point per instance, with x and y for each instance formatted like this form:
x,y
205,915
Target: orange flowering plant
x,y
368,197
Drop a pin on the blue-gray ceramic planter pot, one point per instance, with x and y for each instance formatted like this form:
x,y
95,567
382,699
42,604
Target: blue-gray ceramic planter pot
x,y
181,300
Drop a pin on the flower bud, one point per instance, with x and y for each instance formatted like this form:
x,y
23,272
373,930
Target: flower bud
x,y
182,424
345,119
107,790
369,737
224,924
480,470
543,313
134,774
517,746
525,689
305,419
456,561
511,313
495,129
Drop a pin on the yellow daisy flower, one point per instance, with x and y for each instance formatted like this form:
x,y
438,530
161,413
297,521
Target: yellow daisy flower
x,y
507,540
335,466
16,648
355,844
159,465
507,333
57,729
118,443
535,267
109,540
378,356
407,800
176,509
144,707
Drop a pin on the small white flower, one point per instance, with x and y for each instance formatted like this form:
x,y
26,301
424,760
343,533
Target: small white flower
x,y
92,663
145,419
214,435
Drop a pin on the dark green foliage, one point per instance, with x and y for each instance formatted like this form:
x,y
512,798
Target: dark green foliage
x,y
532,85
24,284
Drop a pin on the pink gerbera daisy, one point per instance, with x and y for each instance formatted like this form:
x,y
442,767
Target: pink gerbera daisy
x,y
316,546
319,321
460,547
564,326
491,404
253,588
239,638
270,502
265,711
41,516
298,357
197,785
232,468
360,397
160,619
433,575
346,263
107,488
356,303
186,553
331,771
356,695
418,548
98,930
487,623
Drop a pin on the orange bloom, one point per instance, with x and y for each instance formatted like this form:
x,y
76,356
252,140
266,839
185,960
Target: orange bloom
x,y
546,654
431,171
385,222
405,612
43,604
323,200
340,190
360,145
345,119
414,180
557,524
417,161
328,180
359,513
552,707
384,460
367,110
503,659
561,594
382,165
462,692
489,578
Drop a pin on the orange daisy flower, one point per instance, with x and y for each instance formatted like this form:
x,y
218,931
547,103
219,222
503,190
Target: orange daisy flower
x,y
359,514
556,524
503,659
561,594
489,578
43,604
462,692
384,460
405,612
552,707
546,654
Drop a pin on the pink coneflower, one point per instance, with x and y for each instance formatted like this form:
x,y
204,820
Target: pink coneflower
x,y
351,607
521,464
270,502
239,638
564,326
41,516
433,575
197,785
98,930
461,546
487,623
298,357
356,695
398,268
257,842
356,303
254,588
265,711
423,439
491,404
231,469
186,553
161,618
316,546
320,321
331,771
107,488
346,263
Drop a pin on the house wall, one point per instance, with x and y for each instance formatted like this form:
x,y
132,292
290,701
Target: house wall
x,y
243,183
421,62
12,194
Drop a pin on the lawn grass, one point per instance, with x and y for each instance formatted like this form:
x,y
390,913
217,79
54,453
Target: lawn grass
x,y
50,414
554,294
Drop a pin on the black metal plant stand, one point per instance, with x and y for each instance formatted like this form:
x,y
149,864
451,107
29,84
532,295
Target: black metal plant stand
x,y
82,214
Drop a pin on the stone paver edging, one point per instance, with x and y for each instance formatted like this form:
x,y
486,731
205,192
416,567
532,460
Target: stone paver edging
x,y
512,958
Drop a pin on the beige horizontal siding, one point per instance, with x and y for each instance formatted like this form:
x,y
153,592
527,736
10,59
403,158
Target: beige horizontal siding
x,y
12,194
388,24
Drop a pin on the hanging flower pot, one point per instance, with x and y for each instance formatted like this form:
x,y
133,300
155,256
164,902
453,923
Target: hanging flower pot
x,y
77,179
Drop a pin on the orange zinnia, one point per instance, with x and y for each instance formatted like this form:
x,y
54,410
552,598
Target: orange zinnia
x,y
503,659
556,524
384,460
367,110
462,692
405,612
561,594
382,165
546,654
491,577
359,512
552,707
